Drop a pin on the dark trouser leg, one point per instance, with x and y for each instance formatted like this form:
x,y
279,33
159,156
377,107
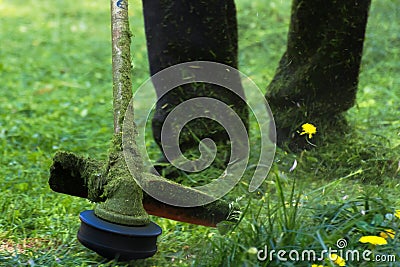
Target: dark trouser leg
x,y
317,76
178,31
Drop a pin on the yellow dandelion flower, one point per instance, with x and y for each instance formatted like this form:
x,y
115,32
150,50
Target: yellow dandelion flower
x,y
397,213
309,129
387,233
317,265
374,240
337,259
252,250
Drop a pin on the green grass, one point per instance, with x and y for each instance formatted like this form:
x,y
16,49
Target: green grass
x,y
55,73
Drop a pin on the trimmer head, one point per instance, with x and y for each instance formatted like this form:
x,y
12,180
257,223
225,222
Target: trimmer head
x,y
115,241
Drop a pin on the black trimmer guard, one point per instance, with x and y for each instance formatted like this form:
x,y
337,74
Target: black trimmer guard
x,y
115,241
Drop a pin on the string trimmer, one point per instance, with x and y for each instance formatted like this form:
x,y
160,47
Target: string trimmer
x,y
119,227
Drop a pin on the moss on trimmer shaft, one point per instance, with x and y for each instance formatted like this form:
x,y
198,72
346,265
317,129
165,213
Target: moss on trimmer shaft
x,y
87,178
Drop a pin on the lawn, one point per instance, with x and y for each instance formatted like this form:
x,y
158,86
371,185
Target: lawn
x,y
56,94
